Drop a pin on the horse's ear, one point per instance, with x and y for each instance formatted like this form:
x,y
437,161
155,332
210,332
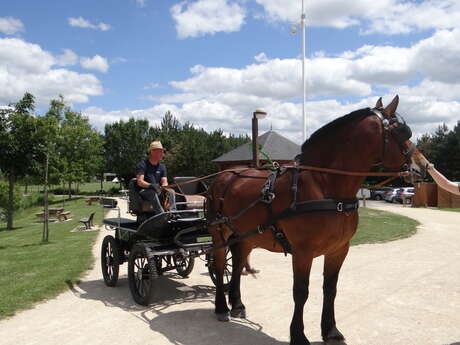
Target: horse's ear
x,y
391,108
379,103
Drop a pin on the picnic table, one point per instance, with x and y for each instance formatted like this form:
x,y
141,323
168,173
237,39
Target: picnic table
x,y
93,199
54,213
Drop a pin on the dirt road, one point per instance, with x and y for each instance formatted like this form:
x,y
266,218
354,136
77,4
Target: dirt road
x,y
405,292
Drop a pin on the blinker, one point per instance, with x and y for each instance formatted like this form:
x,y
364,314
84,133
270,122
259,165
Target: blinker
x,y
401,132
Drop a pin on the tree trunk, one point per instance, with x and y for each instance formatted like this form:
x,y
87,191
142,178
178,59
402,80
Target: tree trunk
x,y
11,179
46,209
70,191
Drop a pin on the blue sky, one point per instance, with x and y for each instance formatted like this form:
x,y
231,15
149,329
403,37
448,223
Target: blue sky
x,y
213,62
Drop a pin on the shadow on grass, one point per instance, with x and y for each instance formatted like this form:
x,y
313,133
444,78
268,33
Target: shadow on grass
x,y
14,228
169,293
28,245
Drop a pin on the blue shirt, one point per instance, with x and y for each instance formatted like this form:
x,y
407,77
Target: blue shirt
x,y
152,173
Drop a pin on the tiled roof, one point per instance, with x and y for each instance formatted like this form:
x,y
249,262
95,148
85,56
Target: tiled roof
x,y
275,145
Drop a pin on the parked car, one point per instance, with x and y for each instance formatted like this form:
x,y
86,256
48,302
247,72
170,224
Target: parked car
x,y
406,194
379,193
390,196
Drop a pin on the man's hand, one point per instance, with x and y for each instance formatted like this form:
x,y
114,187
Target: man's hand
x,y
155,187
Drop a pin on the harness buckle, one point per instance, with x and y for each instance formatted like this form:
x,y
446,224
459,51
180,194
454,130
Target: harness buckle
x,y
340,207
268,197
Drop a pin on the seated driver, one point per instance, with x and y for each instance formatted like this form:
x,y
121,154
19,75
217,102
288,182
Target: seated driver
x,y
151,174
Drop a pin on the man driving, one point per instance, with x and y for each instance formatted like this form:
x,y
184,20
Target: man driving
x,y
151,176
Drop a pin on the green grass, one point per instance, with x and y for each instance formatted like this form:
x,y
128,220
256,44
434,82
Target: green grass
x,y
31,271
379,226
92,187
450,209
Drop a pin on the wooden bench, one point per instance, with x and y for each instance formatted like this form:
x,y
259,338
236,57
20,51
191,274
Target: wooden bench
x,y
88,221
64,216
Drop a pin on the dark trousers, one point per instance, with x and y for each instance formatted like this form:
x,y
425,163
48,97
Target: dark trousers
x,y
152,196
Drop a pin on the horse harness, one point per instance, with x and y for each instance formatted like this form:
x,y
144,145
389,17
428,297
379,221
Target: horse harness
x,y
398,129
295,209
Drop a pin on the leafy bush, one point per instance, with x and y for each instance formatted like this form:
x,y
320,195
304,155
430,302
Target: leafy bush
x,y
4,196
63,191
35,199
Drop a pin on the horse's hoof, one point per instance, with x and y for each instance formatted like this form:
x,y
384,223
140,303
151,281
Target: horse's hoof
x,y
334,337
300,341
224,317
238,313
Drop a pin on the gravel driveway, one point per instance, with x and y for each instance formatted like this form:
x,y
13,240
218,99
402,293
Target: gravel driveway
x,y
405,292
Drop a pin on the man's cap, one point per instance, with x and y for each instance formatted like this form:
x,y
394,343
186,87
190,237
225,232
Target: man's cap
x,y
156,145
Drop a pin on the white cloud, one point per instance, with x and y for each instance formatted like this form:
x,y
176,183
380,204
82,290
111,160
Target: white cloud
x,y
276,78
81,22
67,59
262,57
384,16
26,67
10,26
96,63
207,17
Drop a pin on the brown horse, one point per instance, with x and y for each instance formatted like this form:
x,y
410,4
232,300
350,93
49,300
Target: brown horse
x,y
354,142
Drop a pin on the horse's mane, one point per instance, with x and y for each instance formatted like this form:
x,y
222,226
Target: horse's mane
x,y
331,127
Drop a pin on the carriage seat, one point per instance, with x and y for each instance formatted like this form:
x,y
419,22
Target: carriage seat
x,y
136,204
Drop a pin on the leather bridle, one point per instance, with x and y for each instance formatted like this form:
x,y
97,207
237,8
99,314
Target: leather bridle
x,y
400,131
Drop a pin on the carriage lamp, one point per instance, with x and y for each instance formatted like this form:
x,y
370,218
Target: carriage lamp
x,y
258,114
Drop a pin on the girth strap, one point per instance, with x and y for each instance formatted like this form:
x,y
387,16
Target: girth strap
x,y
318,206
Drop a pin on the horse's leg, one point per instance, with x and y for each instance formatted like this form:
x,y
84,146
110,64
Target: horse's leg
x,y
332,264
221,308
301,264
240,252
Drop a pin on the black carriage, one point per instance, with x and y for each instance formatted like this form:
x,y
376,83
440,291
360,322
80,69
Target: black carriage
x,y
153,244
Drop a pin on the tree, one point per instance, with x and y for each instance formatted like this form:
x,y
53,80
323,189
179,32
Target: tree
x,y
22,143
78,148
443,149
125,145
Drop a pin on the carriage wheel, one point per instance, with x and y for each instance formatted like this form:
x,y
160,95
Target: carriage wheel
x,y
110,260
227,269
184,264
142,274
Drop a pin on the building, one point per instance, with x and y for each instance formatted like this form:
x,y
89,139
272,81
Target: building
x,y
274,145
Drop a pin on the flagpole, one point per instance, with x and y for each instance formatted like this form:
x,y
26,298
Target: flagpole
x,y
304,115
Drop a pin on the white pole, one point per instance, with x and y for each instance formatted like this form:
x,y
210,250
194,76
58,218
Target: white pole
x,y
304,115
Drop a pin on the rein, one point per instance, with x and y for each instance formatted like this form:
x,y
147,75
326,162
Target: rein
x,y
393,175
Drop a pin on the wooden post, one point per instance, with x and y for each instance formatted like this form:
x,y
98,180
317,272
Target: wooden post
x,y
255,146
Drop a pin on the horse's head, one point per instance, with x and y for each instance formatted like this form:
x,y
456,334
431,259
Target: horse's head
x,y
397,151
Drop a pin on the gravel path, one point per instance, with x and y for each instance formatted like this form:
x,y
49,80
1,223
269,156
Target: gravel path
x,y
405,292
